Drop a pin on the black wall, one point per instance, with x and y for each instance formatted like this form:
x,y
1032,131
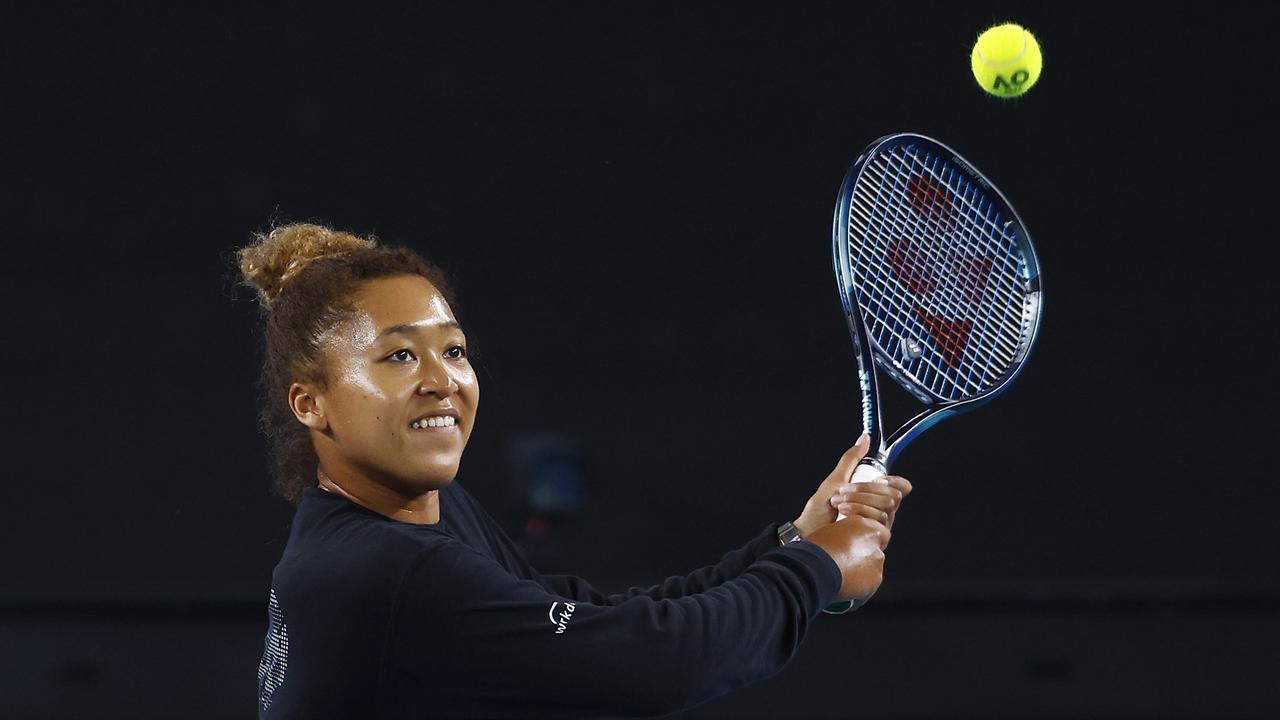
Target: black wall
x,y
635,202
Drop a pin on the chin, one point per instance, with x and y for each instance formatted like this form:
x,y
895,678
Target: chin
x,y
436,477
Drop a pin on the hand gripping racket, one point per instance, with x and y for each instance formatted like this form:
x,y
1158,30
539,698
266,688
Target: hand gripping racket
x,y
940,286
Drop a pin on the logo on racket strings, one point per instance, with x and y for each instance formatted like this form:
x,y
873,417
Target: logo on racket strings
x,y
938,271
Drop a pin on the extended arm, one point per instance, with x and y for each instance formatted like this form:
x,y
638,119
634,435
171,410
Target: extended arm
x,y
479,641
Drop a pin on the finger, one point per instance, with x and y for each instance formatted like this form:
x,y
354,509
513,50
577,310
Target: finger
x,y
884,502
866,511
885,536
899,483
876,488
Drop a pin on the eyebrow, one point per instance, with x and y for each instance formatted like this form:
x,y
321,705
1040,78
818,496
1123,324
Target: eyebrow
x,y
406,328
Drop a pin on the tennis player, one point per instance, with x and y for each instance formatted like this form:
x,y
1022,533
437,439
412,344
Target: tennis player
x,y
398,596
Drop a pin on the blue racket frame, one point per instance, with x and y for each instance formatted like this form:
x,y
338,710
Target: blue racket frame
x,y
868,353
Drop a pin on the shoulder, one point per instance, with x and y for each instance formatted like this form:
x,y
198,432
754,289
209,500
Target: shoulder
x,y
453,571
448,556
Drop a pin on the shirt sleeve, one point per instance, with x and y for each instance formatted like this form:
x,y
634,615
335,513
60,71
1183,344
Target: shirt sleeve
x,y
730,566
473,640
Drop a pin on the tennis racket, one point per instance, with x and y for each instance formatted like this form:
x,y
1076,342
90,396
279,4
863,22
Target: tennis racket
x,y
940,286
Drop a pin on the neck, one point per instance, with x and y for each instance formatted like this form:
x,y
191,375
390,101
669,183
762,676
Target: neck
x,y
423,509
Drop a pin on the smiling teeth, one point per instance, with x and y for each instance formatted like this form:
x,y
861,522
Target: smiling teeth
x,y
435,421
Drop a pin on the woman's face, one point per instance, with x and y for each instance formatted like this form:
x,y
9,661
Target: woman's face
x,y
400,359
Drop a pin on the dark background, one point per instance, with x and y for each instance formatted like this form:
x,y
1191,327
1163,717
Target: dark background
x,y
635,204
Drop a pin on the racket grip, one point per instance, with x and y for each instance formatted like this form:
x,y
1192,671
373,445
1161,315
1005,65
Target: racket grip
x,y
867,471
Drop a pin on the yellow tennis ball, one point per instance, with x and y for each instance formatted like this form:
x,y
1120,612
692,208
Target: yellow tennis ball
x,y
1006,60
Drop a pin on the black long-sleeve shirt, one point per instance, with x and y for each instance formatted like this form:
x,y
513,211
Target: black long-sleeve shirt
x,y
375,618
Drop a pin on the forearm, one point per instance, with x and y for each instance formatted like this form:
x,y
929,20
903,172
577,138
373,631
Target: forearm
x,y
730,566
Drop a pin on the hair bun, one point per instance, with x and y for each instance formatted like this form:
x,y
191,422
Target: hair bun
x,y
274,258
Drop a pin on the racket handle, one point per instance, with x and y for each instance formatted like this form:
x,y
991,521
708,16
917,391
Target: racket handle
x,y
867,471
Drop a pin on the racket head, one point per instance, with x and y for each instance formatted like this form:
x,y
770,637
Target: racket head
x,y
938,278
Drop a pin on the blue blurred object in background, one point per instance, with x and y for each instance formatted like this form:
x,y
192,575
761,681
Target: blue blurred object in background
x,y
547,476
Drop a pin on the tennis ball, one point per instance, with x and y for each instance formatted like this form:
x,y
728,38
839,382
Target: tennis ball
x,y
1006,60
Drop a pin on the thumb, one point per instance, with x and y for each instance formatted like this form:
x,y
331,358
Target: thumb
x,y
849,461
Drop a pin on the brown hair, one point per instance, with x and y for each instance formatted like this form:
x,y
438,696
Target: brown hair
x,y
306,276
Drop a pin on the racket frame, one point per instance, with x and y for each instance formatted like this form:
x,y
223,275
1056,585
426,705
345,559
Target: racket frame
x,y
869,357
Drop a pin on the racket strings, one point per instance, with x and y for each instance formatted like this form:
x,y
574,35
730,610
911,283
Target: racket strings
x,y
933,262
952,338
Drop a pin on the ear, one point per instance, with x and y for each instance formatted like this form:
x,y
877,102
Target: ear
x,y
305,403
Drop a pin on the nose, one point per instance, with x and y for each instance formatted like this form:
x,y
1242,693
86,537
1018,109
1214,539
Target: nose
x,y
437,381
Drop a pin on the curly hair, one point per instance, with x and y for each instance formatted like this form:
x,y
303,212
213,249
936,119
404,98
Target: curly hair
x,y
306,276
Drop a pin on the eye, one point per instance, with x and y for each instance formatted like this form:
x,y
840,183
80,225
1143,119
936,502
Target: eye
x,y
457,352
394,354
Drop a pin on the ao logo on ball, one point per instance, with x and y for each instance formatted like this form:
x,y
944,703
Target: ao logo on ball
x,y
1013,85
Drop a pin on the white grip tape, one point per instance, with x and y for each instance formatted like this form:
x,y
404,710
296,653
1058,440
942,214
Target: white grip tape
x,y
864,473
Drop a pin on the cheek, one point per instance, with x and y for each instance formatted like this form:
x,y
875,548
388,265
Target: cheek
x,y
364,415
473,393
473,403
468,400
468,387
